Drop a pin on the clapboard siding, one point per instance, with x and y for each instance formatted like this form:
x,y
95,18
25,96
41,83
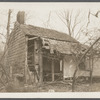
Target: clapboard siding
x,y
16,51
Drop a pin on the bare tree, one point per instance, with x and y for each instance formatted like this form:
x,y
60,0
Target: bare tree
x,y
77,65
2,66
8,24
94,45
47,22
72,20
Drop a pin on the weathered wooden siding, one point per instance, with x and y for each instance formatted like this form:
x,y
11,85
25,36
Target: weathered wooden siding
x,y
16,51
70,66
96,67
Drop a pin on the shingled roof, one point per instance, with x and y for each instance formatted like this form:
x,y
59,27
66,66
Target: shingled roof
x,y
46,33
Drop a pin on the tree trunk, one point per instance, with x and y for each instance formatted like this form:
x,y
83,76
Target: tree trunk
x,y
8,25
74,75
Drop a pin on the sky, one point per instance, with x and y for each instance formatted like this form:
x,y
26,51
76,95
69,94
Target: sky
x,y
38,14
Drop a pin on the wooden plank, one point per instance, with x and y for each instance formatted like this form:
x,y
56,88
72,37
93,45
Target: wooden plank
x,y
52,70
17,44
17,50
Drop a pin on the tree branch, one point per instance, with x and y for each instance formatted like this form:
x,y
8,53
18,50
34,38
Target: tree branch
x,y
74,75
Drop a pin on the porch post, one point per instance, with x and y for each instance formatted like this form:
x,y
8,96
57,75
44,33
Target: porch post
x,y
40,63
41,67
91,71
26,62
52,69
63,68
11,72
36,61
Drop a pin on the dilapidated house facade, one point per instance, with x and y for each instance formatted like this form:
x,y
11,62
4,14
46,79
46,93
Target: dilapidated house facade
x,y
40,54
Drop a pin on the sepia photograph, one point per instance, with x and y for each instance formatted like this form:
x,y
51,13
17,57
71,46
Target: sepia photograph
x,y
49,47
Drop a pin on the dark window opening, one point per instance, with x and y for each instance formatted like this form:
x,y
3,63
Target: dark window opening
x,y
47,70
30,55
46,44
82,66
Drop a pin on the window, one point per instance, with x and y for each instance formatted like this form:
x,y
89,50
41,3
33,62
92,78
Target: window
x,y
82,66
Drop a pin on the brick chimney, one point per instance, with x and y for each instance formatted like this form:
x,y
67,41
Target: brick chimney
x,y
21,17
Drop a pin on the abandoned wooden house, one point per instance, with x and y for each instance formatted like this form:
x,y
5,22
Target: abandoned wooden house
x,y
39,53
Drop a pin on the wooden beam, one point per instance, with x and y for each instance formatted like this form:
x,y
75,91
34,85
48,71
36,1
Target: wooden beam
x,y
51,57
63,68
26,60
91,71
40,63
41,67
11,72
52,70
35,62
32,38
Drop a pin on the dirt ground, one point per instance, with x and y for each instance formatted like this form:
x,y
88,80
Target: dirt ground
x,y
83,86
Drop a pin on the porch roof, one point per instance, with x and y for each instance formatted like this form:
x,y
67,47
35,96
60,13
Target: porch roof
x,y
62,46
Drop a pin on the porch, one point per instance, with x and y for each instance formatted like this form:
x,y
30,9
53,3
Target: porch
x,y
43,65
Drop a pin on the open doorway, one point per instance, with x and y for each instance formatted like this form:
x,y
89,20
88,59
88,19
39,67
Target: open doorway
x,y
50,73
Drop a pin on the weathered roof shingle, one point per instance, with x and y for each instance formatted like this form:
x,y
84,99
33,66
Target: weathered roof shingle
x,y
46,33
